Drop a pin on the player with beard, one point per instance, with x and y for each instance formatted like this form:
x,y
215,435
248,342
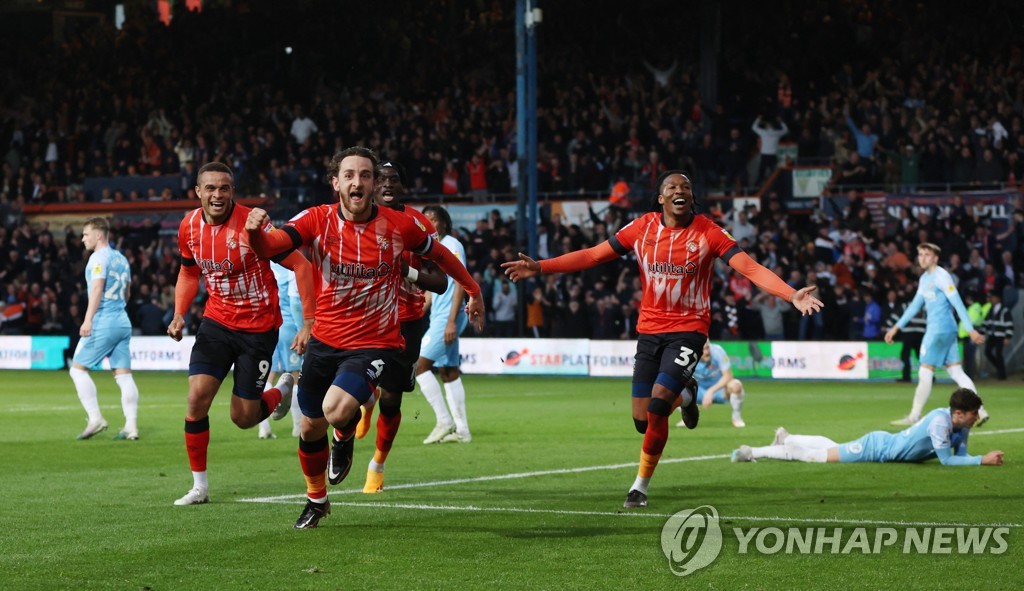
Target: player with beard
x,y
399,376
676,250
357,248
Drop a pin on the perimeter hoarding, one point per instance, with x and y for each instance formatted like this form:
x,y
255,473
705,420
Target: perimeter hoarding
x,y
788,360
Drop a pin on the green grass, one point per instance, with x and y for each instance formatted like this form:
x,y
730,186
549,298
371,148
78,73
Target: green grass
x,y
98,514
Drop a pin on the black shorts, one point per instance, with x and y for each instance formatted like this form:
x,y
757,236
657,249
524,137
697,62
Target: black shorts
x,y
357,372
400,374
675,354
218,347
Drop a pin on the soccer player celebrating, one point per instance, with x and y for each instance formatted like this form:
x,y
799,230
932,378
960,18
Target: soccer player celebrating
x,y
937,293
942,433
105,331
398,376
357,249
240,322
715,383
441,347
676,250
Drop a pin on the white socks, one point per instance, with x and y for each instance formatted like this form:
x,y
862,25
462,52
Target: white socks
x,y
375,466
964,381
924,390
640,484
736,401
806,454
811,441
199,480
129,400
792,451
432,392
456,395
770,452
801,448
296,411
86,389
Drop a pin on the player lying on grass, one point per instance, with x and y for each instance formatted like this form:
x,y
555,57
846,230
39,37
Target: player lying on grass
x,y
942,433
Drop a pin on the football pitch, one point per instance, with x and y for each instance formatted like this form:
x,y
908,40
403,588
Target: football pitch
x,y
534,502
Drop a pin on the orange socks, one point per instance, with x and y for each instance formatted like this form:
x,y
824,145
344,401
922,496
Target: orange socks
x,y
197,442
654,443
387,430
313,458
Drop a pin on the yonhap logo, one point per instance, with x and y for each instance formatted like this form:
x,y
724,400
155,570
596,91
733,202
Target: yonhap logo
x,y
691,539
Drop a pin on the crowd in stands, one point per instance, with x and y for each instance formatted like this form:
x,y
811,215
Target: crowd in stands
x,y
914,111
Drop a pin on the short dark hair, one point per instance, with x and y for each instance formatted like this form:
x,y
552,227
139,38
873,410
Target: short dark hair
x,y
660,182
215,167
442,216
332,168
98,223
964,400
930,246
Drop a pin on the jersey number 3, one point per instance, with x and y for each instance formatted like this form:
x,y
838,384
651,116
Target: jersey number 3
x,y
686,359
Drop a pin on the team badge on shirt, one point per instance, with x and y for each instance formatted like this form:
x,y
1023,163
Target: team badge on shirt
x,y
691,246
232,243
382,241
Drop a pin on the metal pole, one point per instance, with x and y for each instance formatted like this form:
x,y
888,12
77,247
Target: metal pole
x,y
521,156
533,17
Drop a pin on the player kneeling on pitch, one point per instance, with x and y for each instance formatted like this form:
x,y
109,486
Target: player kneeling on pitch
x,y
942,433
716,384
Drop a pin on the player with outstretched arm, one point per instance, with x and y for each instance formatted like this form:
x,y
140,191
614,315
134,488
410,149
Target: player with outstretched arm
x,y
676,250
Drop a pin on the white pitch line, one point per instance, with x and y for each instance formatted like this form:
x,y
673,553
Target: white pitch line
x,y
473,508
490,478
997,432
352,491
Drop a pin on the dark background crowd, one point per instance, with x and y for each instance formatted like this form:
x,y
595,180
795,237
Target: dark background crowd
x,y
894,96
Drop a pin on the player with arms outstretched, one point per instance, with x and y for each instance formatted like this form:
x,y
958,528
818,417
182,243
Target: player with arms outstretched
x,y
241,320
356,247
676,250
